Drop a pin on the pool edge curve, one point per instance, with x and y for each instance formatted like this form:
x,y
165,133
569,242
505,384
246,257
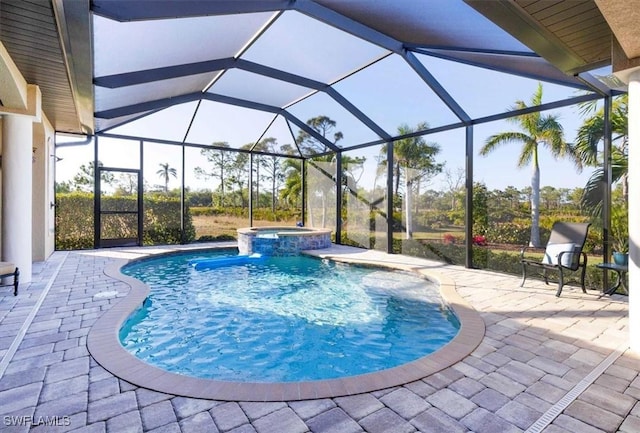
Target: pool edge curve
x,y
104,346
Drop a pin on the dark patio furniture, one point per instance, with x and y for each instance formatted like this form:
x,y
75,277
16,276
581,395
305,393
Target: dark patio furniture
x,y
10,270
563,252
621,277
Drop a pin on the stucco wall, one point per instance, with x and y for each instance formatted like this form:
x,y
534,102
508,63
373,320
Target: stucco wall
x,y
43,235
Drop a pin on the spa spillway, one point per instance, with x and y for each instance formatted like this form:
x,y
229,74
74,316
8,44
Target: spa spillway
x,y
282,241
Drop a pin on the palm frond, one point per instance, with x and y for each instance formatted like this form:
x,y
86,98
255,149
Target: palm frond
x,y
528,153
501,139
589,135
593,193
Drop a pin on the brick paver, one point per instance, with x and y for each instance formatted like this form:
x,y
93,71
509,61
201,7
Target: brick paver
x,y
537,347
333,421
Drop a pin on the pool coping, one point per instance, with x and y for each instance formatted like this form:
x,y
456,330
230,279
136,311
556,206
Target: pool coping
x,y
104,345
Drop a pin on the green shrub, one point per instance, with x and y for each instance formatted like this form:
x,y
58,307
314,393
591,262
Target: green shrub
x,y
513,233
207,211
74,221
262,214
283,215
218,238
162,221
161,224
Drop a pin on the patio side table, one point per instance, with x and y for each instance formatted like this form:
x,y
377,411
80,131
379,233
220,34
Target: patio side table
x,y
621,273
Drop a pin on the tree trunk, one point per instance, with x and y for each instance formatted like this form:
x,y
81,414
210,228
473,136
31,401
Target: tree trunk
x,y
407,201
324,209
417,200
535,207
221,185
310,211
273,195
257,182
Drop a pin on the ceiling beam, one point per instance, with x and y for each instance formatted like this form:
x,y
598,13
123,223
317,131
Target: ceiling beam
x,y
142,107
375,37
73,19
165,73
128,10
168,102
561,78
358,114
339,21
435,85
272,109
169,72
509,16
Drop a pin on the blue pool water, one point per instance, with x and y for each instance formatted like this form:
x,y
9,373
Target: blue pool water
x,y
283,319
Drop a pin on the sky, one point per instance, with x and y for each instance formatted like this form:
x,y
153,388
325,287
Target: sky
x,y
497,170
389,92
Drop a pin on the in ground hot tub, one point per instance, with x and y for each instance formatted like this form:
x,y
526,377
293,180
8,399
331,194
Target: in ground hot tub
x,y
282,241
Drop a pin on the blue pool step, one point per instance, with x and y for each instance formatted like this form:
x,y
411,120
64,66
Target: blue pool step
x,y
215,262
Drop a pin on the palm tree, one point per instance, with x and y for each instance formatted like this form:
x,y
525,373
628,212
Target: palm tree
x,y
164,172
292,191
536,129
590,135
414,159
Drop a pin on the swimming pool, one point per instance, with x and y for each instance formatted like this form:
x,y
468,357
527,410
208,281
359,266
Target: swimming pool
x,y
285,319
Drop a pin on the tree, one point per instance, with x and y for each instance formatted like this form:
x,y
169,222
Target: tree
x,y
272,165
551,197
309,145
590,136
480,209
63,187
164,173
219,159
85,179
127,184
413,161
454,182
536,129
324,126
237,175
513,196
292,191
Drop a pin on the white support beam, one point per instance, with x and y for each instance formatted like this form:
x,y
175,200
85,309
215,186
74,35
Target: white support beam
x,y
17,144
33,108
634,209
13,87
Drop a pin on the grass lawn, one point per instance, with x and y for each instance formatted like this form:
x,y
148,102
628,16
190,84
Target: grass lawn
x,y
216,225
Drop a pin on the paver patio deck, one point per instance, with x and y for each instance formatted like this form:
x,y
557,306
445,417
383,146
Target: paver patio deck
x,y
545,364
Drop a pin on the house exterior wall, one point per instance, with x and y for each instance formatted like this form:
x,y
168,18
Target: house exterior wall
x,y
43,215
26,179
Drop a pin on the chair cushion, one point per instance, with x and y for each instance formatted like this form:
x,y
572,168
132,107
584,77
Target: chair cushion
x,y
7,268
553,251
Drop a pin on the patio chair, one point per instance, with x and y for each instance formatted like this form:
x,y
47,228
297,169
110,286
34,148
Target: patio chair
x,y
563,252
10,270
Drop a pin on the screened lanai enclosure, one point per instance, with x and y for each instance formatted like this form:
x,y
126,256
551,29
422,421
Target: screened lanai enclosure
x,y
411,127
